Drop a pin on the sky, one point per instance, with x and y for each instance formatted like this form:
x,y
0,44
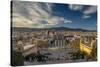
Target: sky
x,y
47,15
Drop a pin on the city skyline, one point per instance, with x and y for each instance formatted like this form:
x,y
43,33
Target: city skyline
x,y
48,15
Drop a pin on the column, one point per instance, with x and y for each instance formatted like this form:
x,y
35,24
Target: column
x,y
50,43
55,43
61,42
58,43
64,42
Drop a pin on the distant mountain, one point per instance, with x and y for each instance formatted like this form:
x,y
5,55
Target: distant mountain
x,y
24,29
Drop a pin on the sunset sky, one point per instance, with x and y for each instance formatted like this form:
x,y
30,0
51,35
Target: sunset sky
x,y
46,15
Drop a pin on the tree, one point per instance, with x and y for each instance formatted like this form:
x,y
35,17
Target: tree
x,y
17,59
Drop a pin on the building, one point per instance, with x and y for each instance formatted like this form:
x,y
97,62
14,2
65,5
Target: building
x,y
41,43
87,45
57,41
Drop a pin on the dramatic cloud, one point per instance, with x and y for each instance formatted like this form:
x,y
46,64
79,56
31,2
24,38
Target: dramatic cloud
x,y
33,14
86,12
75,7
90,10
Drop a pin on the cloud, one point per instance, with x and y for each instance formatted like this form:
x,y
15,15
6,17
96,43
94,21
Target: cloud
x,y
86,12
86,16
34,14
90,10
67,21
75,7
29,14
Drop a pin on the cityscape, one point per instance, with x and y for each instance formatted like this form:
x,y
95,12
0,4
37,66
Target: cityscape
x,y
52,33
